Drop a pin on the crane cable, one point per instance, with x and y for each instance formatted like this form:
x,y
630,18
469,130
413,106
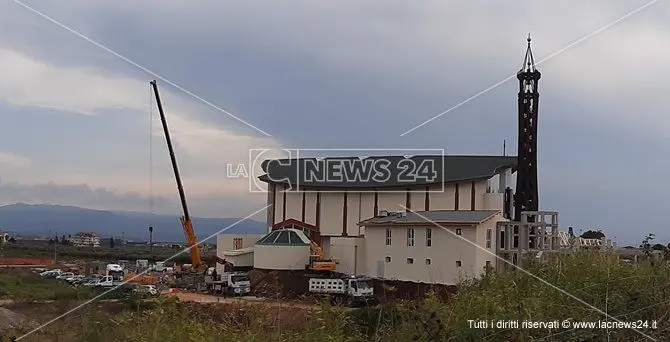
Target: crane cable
x,y
151,159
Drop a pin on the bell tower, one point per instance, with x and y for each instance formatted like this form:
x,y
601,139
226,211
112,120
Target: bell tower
x,y
526,195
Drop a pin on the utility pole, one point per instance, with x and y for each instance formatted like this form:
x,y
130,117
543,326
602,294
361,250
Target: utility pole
x,y
151,243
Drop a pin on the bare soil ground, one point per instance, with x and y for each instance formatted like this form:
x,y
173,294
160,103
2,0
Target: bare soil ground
x,y
294,285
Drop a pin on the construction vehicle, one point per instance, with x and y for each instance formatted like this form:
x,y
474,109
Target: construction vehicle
x,y
348,291
318,260
115,271
227,283
192,276
142,279
198,266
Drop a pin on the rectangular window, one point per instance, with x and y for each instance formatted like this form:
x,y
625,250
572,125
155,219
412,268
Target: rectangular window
x,y
429,237
489,234
458,231
237,243
388,236
427,261
458,263
410,237
410,261
388,259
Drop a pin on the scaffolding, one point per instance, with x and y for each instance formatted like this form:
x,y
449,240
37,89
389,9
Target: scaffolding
x,y
531,237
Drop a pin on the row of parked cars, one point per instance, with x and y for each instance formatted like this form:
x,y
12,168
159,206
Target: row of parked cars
x,y
71,278
96,280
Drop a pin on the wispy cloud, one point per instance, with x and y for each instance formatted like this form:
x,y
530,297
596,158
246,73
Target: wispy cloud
x,y
12,160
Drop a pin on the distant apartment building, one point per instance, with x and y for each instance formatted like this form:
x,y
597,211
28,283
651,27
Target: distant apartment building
x,y
86,239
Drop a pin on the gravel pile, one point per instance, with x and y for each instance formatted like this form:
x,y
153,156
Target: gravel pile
x,y
11,321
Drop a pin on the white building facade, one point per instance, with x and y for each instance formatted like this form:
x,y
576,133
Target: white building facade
x,y
86,239
440,247
345,218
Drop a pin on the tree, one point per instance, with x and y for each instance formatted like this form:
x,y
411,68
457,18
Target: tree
x,y
56,239
12,240
111,242
63,241
646,246
659,247
593,234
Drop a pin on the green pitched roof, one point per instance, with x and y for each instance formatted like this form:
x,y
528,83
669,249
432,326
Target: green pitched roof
x,y
317,173
284,237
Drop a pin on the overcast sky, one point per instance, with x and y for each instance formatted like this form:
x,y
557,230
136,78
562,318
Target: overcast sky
x,y
332,74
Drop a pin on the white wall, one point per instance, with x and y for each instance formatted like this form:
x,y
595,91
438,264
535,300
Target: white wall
x,y
293,205
238,259
446,249
391,201
310,208
360,206
281,257
487,254
279,205
331,213
224,242
350,254
442,198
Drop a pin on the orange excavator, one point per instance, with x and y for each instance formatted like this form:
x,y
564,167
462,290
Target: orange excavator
x,y
197,265
318,260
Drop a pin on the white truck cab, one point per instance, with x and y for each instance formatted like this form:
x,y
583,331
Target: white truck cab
x,y
234,283
346,290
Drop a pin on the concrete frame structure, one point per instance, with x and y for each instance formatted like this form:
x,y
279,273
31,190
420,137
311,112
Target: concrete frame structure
x,y
536,232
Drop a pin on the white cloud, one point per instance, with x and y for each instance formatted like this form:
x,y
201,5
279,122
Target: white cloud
x,y
12,160
27,82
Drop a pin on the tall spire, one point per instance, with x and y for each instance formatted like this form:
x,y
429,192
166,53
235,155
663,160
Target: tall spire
x,y
528,61
526,196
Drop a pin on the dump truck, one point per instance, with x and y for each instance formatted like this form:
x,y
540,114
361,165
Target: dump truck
x,y
227,283
347,290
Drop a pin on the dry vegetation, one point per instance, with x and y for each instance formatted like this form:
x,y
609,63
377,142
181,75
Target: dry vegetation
x,y
627,293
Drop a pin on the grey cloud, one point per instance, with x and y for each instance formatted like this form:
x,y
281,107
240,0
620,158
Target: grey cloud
x,y
357,74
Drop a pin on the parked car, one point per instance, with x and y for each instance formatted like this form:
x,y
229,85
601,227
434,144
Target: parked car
x,y
146,290
74,279
91,282
51,273
65,275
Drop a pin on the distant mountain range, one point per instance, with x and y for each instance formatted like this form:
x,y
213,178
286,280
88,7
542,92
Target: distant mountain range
x,y
28,219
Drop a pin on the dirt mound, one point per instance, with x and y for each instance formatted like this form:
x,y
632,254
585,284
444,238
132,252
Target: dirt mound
x,y
277,283
11,321
295,285
392,290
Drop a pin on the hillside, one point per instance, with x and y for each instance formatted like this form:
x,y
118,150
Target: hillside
x,y
26,219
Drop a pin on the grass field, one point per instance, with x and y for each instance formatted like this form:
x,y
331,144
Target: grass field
x,y
42,249
581,287
25,285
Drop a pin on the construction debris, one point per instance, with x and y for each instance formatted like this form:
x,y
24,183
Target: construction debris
x,y
11,321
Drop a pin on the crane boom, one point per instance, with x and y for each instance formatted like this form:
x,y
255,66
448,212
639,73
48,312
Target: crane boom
x,y
186,222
